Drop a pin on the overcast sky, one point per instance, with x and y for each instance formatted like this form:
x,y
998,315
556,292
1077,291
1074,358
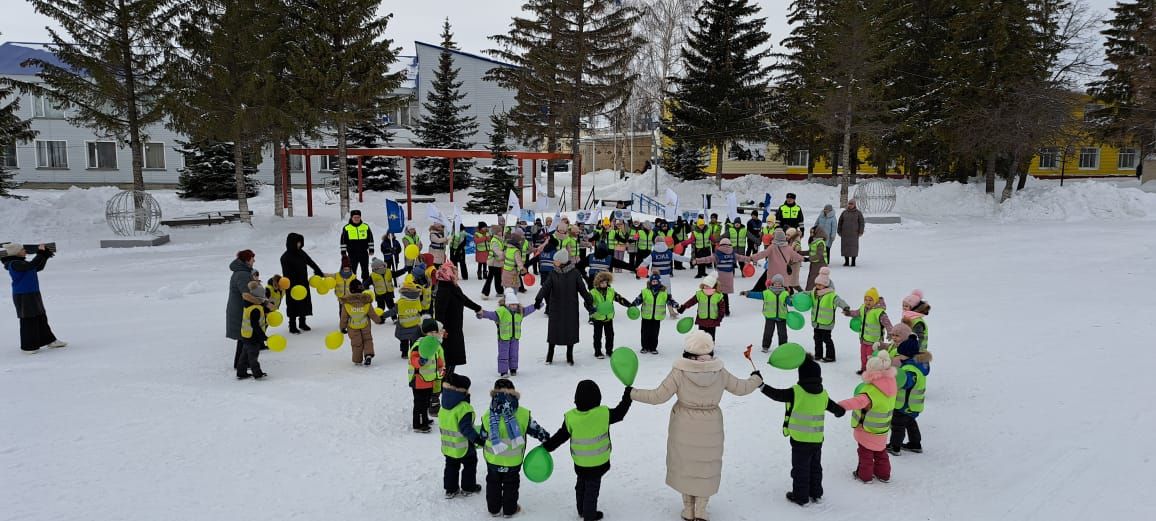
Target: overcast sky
x,y
415,20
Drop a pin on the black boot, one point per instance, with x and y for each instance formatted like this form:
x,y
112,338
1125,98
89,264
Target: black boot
x,y
304,326
846,261
293,326
853,261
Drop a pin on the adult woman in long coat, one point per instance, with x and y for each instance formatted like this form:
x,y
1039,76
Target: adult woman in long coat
x,y
293,265
242,273
449,303
694,442
851,227
779,256
561,291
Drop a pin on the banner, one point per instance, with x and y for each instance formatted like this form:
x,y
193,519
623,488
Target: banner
x,y
512,204
395,215
732,207
767,207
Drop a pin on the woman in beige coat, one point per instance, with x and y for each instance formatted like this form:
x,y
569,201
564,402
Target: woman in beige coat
x,y
694,442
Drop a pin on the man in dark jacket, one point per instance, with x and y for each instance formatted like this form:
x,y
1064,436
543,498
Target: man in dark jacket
x,y
754,231
34,330
589,415
357,243
789,215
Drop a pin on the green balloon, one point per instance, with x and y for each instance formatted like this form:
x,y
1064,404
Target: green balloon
x,y
788,356
795,320
624,364
685,324
428,346
633,313
538,465
802,301
856,324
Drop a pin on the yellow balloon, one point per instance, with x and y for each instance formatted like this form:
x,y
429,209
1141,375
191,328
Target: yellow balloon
x,y
369,292
315,281
411,252
379,311
330,282
276,343
323,290
275,319
298,293
334,340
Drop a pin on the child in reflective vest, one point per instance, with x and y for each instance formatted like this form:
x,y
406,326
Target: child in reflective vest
x,y
873,317
711,306
776,300
915,311
274,293
871,407
421,279
825,301
587,427
482,249
654,302
253,337
912,382
504,428
803,424
357,313
426,372
407,315
508,318
343,277
725,261
382,277
459,438
602,318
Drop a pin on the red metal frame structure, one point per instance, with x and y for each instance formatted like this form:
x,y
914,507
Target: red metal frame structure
x,y
409,154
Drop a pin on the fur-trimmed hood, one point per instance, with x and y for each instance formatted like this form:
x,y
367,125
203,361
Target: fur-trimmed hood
x,y
603,276
701,374
357,299
512,392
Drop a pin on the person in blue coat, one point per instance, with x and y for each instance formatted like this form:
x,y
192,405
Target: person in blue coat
x,y
34,330
827,221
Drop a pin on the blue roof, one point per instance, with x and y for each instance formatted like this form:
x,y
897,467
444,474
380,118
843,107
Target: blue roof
x,y
12,54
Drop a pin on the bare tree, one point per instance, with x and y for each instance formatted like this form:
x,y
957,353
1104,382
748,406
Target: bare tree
x,y
663,25
1077,27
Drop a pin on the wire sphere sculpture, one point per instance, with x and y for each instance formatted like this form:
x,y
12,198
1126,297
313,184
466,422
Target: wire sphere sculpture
x,y
875,196
130,213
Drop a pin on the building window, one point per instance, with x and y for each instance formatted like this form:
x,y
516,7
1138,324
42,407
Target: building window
x,y
1089,158
798,158
8,156
1049,157
1090,111
52,154
328,163
43,107
101,155
296,163
1127,159
154,156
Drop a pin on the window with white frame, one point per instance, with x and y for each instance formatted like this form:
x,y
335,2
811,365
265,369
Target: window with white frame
x,y
1127,159
1049,157
101,155
296,163
798,158
328,163
8,156
44,107
1089,158
52,154
154,156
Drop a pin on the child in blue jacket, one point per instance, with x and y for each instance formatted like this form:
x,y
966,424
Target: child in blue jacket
x,y
912,380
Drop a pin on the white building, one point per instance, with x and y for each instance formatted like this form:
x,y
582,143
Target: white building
x,y
65,154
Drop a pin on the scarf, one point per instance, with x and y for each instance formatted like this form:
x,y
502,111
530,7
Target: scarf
x,y
502,409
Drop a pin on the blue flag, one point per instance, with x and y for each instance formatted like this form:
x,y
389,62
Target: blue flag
x,y
396,216
766,207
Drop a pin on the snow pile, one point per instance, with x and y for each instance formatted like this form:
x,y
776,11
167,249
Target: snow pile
x,y
172,293
1077,202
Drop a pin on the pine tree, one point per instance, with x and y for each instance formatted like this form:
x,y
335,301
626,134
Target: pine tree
x,y
683,160
209,173
379,173
13,130
497,179
794,102
722,96
1128,85
445,126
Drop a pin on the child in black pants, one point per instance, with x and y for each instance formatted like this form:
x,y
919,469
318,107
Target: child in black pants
x,y
587,427
253,337
655,302
604,298
459,438
803,423
504,428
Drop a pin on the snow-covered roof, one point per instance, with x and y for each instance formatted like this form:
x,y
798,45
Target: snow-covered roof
x,y
408,65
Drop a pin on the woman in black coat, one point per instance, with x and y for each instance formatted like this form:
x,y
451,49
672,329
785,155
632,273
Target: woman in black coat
x,y
561,290
293,266
449,303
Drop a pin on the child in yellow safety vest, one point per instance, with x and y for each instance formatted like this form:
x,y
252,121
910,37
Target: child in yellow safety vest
x,y
253,337
654,302
776,299
504,427
915,311
425,374
274,293
357,313
459,438
421,278
912,382
508,318
587,428
381,275
711,306
407,315
602,317
825,301
874,324
344,278
803,424
871,407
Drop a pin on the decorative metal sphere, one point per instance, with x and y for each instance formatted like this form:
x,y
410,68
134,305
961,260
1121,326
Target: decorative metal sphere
x,y
875,196
130,213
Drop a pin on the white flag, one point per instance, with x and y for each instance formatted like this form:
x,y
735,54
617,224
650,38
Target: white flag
x,y
513,206
435,215
672,205
543,205
732,206
457,219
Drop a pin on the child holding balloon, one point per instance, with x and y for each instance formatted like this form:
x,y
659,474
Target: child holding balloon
x,y
407,314
824,301
873,323
253,337
602,318
357,313
504,428
775,300
711,306
426,369
275,290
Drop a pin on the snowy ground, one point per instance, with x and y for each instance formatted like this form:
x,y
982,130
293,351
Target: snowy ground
x,y
1041,329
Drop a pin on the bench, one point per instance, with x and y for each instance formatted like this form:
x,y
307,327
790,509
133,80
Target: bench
x,y
204,219
418,200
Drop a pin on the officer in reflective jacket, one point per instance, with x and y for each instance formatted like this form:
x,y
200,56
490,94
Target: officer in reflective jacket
x,y
357,243
587,427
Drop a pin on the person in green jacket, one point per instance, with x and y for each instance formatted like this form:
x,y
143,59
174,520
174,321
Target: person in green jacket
x,y
587,427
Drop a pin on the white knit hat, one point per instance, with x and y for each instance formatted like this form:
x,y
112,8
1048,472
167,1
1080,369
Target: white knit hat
x,y
511,297
710,280
879,362
699,342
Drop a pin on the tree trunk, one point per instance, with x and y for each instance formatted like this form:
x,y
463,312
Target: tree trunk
x,y
810,164
844,184
718,170
989,173
1011,177
912,170
852,163
278,182
1023,178
552,147
133,116
342,169
575,163
239,173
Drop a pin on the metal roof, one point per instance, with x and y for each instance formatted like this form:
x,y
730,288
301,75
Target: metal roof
x,y
12,54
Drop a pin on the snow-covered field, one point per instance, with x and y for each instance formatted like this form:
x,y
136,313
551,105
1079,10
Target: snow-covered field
x,y
1038,402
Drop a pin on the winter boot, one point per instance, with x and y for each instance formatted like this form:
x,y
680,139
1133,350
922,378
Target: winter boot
x,y
687,508
368,359
304,326
893,449
853,261
801,502
700,503
846,261
913,447
471,490
451,495
293,326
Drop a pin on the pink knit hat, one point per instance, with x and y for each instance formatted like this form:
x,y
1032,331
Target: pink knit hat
x,y
824,277
901,331
913,299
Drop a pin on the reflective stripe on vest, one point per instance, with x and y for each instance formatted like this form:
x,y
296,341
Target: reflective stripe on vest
x,y
454,443
922,337
408,312
724,262
247,325
701,238
515,448
877,419
911,400
645,239
708,305
358,316
597,265
600,298
823,312
790,212
739,238
872,329
429,371
275,295
590,444
509,324
382,284
342,287
804,417
775,305
570,244
654,306
358,232
820,246
511,262
546,261
662,262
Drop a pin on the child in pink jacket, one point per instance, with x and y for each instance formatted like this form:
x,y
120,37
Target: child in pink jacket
x,y
872,407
